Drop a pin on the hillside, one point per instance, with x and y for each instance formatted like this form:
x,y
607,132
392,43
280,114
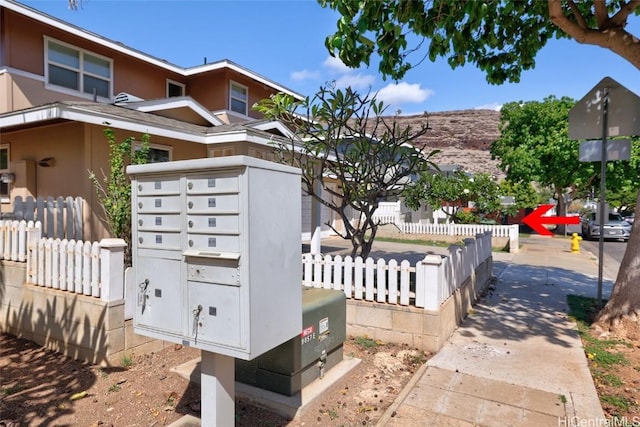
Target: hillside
x,y
464,137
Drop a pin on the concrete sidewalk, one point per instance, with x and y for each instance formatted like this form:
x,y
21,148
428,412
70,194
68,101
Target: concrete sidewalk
x,y
516,359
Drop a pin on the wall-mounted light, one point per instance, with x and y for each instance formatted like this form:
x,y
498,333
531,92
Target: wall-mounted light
x,y
47,162
7,177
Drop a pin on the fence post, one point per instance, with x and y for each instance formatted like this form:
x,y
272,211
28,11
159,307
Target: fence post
x,y
33,235
428,291
514,240
112,269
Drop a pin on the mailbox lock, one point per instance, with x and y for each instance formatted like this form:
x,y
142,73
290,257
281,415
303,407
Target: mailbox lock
x,y
196,321
190,224
190,185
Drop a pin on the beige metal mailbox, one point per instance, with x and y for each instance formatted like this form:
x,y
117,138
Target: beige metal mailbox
x,y
217,253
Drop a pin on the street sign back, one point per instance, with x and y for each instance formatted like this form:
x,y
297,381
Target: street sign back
x,y
585,118
617,149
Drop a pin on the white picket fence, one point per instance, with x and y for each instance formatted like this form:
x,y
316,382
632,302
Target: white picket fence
x,y
458,229
60,217
87,268
427,284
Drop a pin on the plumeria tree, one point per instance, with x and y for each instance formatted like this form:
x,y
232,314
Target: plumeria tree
x,y
351,155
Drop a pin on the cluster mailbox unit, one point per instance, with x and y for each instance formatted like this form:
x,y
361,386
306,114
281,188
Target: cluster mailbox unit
x,y
217,253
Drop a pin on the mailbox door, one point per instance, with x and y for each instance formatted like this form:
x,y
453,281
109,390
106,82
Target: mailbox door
x,y
216,313
160,299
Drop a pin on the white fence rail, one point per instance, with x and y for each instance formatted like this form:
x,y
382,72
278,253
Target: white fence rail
x,y
61,217
88,268
426,284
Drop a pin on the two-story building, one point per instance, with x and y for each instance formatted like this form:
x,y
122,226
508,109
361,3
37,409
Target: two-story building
x,y
61,86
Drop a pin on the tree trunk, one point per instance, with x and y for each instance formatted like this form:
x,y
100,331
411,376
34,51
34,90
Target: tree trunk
x,y
619,317
561,210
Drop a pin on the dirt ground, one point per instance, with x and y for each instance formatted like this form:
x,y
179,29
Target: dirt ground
x,y
39,387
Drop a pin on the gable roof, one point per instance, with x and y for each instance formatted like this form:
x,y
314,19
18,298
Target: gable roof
x,y
176,107
134,121
119,47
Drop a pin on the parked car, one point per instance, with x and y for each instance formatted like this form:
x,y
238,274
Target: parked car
x,y
615,227
630,218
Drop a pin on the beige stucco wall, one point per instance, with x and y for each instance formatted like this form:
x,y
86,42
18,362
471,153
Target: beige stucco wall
x,y
140,78
77,148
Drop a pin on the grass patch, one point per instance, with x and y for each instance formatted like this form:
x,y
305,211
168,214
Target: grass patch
x,y
115,388
366,342
584,310
619,402
436,243
608,379
126,360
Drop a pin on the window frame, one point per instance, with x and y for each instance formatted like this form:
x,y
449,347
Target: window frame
x,y
232,98
6,197
81,71
182,86
159,147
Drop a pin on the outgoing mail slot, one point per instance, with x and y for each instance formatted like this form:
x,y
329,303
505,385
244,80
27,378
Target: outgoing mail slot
x,y
158,186
159,204
213,223
212,203
215,183
215,242
213,270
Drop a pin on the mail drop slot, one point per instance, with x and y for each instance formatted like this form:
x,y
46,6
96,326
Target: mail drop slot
x,y
217,183
213,270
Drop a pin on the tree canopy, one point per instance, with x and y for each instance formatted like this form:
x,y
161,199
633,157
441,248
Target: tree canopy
x,y
351,156
500,37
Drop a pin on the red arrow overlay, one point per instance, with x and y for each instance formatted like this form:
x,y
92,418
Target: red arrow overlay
x,y
535,220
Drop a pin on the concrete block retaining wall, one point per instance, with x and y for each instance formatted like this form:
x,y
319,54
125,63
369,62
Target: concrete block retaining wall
x,y
424,329
81,327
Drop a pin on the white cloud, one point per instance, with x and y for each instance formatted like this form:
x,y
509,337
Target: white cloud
x,y
493,106
355,81
305,75
335,65
403,93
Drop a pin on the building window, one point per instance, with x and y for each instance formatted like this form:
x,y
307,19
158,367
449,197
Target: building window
x,y
4,168
174,89
78,70
221,152
158,153
239,98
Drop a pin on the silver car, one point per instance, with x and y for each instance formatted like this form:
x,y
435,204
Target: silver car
x,y
615,227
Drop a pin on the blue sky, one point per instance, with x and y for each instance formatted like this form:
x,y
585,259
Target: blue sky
x,y
284,41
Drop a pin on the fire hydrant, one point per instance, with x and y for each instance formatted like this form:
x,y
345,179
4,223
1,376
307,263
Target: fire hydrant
x,y
575,243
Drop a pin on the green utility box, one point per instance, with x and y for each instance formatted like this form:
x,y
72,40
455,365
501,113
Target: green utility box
x,y
289,367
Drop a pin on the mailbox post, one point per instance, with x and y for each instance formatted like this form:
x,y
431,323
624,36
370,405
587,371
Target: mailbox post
x,y
217,259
